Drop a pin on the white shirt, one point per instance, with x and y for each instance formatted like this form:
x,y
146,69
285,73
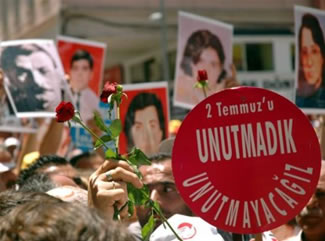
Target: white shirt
x,y
88,103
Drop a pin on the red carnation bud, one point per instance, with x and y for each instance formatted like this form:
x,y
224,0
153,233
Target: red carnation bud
x,y
109,88
202,75
64,111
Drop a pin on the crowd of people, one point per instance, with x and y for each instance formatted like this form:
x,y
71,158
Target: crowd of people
x,y
50,197
75,200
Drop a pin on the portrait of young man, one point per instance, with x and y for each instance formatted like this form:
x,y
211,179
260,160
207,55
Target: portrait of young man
x,y
83,63
144,116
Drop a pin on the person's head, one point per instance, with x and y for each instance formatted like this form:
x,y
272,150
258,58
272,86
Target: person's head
x,y
311,51
24,63
87,161
7,161
144,124
81,70
63,221
161,183
37,182
312,218
57,168
10,199
32,76
204,50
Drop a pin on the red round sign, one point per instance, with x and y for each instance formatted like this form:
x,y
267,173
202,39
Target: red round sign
x,y
246,160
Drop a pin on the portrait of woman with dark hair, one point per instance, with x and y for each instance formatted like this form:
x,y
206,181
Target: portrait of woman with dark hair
x,y
203,50
144,124
311,48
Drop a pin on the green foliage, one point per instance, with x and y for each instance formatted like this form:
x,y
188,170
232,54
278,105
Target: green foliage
x,y
110,154
138,196
115,128
201,84
148,228
103,139
138,158
99,122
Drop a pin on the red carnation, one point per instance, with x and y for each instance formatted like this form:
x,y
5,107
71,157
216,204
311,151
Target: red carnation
x,y
202,75
109,88
64,111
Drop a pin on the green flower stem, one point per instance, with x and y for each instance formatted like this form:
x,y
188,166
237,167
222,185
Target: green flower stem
x,y
116,211
118,137
165,221
90,131
161,215
204,92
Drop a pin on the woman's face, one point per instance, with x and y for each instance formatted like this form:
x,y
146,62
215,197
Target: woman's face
x,y
210,61
311,58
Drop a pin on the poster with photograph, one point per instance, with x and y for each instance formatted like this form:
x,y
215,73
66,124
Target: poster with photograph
x,y
33,77
203,43
144,116
310,57
83,62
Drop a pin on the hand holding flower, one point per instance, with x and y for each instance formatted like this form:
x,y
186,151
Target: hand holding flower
x,y
108,187
116,186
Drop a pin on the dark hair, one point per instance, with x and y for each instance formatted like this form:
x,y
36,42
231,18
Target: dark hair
x,y
310,22
75,159
81,54
41,162
10,199
139,102
25,94
63,221
37,182
196,43
10,53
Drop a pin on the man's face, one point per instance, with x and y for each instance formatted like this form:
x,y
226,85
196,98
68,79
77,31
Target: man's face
x,y
312,217
146,132
37,67
161,183
80,74
36,72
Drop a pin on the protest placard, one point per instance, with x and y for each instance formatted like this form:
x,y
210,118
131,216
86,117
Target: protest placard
x,y
144,116
246,160
203,43
33,77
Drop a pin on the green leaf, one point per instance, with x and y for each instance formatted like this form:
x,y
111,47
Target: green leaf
x,y
138,196
130,208
104,139
99,122
157,206
116,127
138,158
148,228
110,154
